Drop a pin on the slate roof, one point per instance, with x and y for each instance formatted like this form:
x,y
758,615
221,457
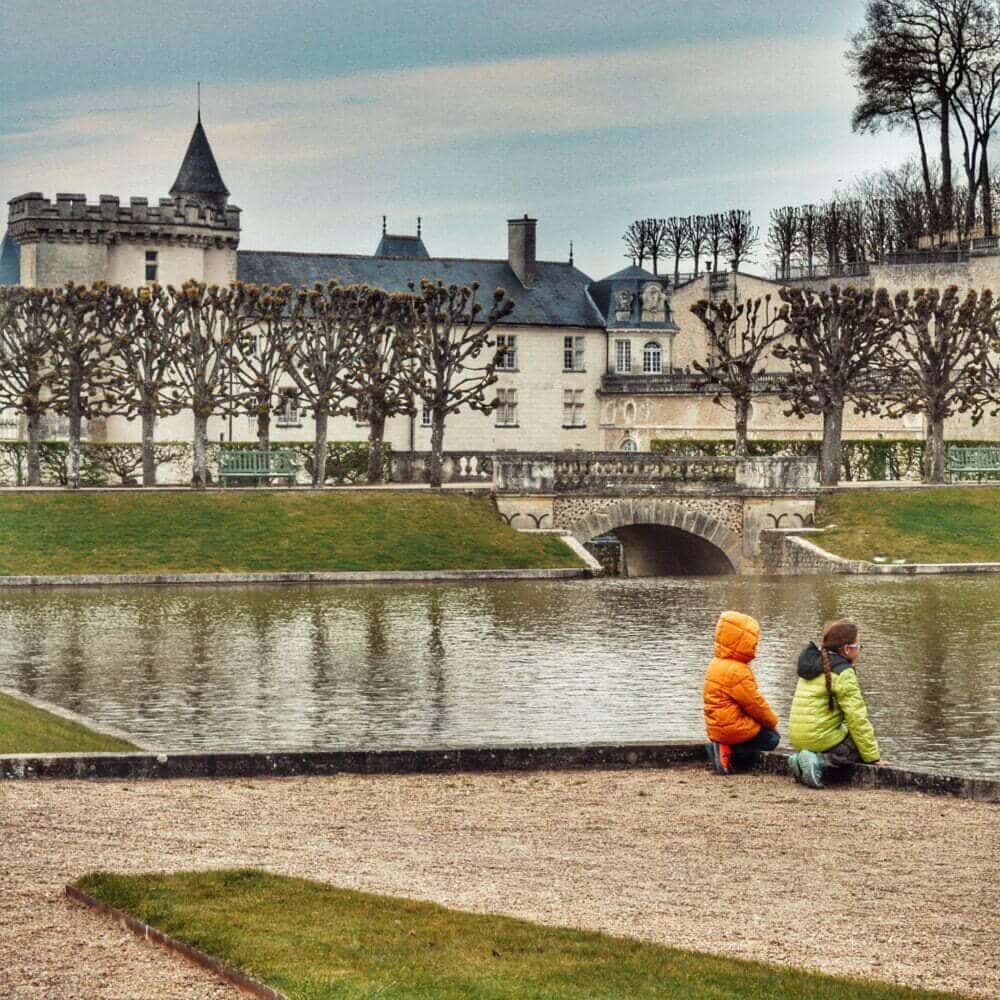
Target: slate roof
x,y
199,173
557,298
401,246
10,261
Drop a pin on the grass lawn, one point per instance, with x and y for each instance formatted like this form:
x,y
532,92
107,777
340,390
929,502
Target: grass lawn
x,y
251,531
951,524
26,729
313,941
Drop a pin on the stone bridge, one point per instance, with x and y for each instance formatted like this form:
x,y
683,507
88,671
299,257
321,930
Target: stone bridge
x,y
667,515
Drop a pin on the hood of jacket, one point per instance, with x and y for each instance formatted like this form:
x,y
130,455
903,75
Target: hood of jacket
x,y
736,637
810,663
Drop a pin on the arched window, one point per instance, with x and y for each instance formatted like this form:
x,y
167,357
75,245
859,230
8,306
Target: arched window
x,y
629,445
652,358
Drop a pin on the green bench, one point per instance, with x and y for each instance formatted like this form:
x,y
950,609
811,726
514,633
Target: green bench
x,y
257,465
974,460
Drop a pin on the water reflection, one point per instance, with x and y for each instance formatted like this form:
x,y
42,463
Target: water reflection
x,y
314,667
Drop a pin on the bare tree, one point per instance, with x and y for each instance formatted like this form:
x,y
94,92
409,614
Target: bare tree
x,y
657,241
80,377
210,320
831,230
380,362
716,237
739,236
142,331
697,238
736,351
834,343
451,333
784,237
326,323
936,362
677,241
809,227
636,242
25,342
259,355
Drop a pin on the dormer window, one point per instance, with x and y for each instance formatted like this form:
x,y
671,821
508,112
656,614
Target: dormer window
x,y
152,265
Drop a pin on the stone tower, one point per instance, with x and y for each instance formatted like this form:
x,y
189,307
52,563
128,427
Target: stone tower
x,y
192,234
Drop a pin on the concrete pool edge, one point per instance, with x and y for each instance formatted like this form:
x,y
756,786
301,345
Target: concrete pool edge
x,y
451,760
339,576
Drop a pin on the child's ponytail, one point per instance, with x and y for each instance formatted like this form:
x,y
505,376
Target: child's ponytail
x,y
836,635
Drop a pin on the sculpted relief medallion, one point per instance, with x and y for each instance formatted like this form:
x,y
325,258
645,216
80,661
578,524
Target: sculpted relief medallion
x,y
653,303
623,305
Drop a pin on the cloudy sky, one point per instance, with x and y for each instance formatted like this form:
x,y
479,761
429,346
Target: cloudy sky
x,y
325,114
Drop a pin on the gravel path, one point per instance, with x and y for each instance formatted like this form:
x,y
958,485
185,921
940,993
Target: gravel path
x,y
896,886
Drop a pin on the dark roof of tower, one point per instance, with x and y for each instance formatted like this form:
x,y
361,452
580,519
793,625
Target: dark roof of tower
x,y
558,296
199,173
401,246
10,261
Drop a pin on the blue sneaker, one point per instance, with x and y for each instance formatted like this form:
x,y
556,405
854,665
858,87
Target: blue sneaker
x,y
808,768
720,755
794,767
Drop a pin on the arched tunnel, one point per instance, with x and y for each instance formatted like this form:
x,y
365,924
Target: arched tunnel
x,y
638,550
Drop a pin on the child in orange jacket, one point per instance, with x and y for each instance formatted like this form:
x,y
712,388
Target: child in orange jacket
x,y
739,721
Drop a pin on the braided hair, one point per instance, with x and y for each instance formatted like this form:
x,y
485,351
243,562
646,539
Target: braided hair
x,y
836,635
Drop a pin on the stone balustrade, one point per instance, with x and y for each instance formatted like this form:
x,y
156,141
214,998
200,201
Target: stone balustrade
x,y
456,467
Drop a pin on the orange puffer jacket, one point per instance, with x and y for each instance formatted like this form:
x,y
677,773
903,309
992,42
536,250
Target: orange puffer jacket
x,y
735,710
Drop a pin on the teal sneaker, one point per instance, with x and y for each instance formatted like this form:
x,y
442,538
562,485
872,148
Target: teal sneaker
x,y
810,767
794,767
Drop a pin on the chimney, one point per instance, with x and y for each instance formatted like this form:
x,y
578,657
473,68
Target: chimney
x,y
521,249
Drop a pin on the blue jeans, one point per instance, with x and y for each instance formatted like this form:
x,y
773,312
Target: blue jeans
x,y
746,753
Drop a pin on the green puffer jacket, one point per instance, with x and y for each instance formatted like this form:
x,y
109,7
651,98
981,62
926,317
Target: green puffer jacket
x,y
811,724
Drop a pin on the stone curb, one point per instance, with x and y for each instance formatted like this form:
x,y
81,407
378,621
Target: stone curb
x,y
452,760
347,576
82,720
234,976
862,567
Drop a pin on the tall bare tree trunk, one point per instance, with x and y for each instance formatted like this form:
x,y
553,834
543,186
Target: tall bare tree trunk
x,y
742,448
148,447
264,431
437,448
199,470
34,460
934,451
75,426
376,437
830,449
319,453
987,193
947,194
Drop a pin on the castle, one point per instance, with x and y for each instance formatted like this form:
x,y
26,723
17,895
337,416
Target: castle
x,y
593,365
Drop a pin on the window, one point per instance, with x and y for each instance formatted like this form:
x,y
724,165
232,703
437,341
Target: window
x,y
629,445
288,408
573,354
573,408
652,358
623,356
507,352
506,408
152,264
425,415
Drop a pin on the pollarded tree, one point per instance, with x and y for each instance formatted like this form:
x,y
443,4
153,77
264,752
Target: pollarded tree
x,y
325,327
26,323
451,333
383,355
739,338
936,363
716,238
697,238
143,329
783,237
259,355
636,240
835,342
677,241
81,381
209,321
739,236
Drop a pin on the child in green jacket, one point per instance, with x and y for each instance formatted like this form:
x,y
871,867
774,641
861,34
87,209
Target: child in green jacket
x,y
828,723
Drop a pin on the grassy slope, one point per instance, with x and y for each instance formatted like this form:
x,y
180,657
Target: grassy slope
x,y
26,729
953,524
313,942
251,531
